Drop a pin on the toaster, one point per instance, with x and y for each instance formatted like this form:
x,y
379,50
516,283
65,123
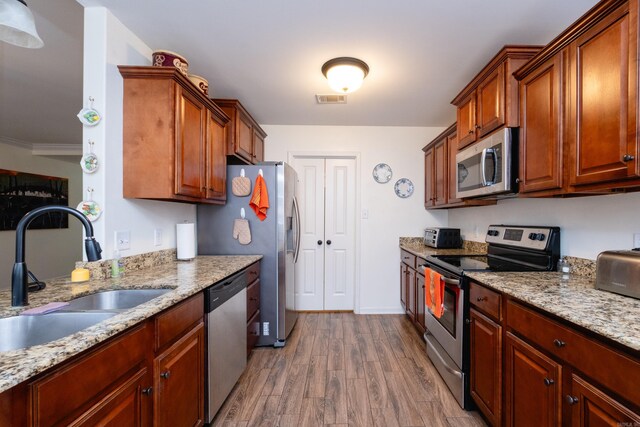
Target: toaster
x,y
442,238
619,272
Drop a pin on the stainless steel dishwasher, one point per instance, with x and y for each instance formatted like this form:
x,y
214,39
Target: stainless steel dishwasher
x,y
226,308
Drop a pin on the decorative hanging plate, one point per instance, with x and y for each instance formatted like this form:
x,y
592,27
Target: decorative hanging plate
x,y
382,173
403,188
89,117
89,163
89,208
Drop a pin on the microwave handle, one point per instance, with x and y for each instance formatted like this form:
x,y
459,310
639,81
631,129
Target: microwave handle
x,y
483,166
483,177
493,153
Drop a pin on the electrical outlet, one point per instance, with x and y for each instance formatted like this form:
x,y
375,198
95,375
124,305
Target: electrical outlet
x,y
123,240
265,328
636,240
157,237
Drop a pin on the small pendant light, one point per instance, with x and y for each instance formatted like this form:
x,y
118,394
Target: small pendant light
x,y
17,26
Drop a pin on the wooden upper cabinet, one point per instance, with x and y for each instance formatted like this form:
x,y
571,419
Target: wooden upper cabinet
x,y
172,147
490,100
429,177
440,157
541,141
603,106
245,138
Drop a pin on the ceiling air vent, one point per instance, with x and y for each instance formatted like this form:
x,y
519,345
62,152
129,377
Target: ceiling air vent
x,y
331,99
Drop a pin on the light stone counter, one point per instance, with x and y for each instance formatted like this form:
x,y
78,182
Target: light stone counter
x,y
185,278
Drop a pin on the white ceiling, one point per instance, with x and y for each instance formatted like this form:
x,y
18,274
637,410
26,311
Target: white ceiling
x,y
268,54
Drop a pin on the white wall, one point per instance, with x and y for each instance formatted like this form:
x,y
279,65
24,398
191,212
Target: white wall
x,y
50,253
589,225
389,216
108,43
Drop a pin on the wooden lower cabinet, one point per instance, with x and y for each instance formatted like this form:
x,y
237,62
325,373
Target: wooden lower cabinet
x,y
532,386
179,381
412,288
403,285
486,366
411,294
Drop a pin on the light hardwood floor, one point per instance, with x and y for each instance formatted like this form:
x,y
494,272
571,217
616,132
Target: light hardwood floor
x,y
342,369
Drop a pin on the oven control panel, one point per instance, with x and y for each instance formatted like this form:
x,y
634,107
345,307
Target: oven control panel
x,y
530,237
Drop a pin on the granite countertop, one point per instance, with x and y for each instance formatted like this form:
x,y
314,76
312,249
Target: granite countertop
x,y
576,300
185,278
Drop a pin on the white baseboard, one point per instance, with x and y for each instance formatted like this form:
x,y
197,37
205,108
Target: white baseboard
x,y
380,310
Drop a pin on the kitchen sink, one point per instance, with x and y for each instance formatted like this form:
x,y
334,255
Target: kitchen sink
x,y
25,331
114,300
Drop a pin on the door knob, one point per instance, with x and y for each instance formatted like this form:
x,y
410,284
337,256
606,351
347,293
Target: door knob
x,y
319,242
328,242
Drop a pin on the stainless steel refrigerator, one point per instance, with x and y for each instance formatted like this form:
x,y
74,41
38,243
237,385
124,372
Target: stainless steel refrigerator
x,y
276,239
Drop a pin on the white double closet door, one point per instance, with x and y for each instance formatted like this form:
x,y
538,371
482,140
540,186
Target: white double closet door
x,y
325,271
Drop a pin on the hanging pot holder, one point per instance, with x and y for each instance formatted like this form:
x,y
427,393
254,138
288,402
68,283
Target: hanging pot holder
x,y
241,185
241,231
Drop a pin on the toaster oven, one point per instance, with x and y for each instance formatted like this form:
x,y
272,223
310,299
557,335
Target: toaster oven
x,y
443,238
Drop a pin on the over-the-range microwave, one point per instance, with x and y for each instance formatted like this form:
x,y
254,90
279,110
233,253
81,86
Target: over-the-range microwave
x,y
490,166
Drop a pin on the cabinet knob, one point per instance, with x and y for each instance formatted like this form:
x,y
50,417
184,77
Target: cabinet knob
x,y
319,242
165,375
628,158
572,400
559,343
147,391
480,299
548,382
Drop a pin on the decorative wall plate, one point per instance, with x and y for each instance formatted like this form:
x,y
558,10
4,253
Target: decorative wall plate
x,y
89,162
382,173
89,208
403,188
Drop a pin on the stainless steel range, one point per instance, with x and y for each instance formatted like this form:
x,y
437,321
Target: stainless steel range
x,y
511,248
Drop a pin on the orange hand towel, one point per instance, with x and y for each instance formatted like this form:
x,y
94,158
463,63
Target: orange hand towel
x,y
434,292
260,199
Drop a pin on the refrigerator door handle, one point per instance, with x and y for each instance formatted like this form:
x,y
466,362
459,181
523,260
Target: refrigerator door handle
x,y
296,212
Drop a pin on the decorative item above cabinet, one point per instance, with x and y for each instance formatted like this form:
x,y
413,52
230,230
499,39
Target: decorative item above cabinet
x,y
173,138
245,139
491,99
579,105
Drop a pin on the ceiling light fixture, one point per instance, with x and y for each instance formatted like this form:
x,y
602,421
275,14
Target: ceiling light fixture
x,y
17,25
345,74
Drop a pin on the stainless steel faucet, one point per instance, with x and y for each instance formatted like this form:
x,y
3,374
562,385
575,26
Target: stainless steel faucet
x,y
19,283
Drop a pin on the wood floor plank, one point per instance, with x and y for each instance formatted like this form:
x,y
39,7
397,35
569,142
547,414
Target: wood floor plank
x,y
419,386
349,332
387,358
312,413
252,391
384,417
321,343
375,325
432,414
335,328
316,377
463,422
323,321
336,355
362,324
367,349
277,376
376,385
358,409
335,411
288,420
401,402
266,412
292,395
303,352
354,367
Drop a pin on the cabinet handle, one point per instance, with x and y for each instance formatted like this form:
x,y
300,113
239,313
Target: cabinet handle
x,y
517,180
165,375
480,299
147,391
423,287
478,127
628,158
559,343
548,382
572,400
253,273
470,131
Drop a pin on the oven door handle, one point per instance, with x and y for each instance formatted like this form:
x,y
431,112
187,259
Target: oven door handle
x,y
444,364
454,282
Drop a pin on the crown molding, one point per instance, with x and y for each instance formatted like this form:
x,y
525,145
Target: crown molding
x,y
39,149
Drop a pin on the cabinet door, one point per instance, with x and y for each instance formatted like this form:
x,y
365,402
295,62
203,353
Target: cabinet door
x,y
420,304
190,136
592,407
541,149
466,116
179,382
486,366
403,285
429,178
411,293
490,107
127,405
604,73
452,169
258,148
440,173
532,386
216,159
244,140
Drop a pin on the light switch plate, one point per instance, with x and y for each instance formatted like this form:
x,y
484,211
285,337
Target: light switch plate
x,y
123,240
157,236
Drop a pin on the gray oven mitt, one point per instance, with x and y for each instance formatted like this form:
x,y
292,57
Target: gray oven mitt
x,y
241,231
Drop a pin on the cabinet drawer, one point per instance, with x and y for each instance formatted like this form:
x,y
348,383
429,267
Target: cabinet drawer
x,y
253,272
408,259
607,366
177,320
63,395
253,299
486,300
253,331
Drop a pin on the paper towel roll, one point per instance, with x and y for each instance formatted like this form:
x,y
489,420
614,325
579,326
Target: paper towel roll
x,y
186,241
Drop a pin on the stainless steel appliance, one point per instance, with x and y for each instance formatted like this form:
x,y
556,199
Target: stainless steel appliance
x,y
490,166
511,248
226,308
438,237
275,238
619,272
